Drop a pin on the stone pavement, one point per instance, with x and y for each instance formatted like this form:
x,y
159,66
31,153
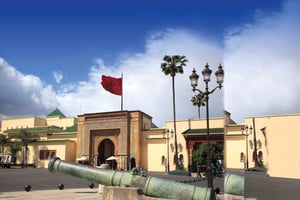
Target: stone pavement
x,y
66,194
76,194
44,185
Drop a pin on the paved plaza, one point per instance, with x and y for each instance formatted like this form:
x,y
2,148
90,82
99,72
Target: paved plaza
x,y
262,187
66,194
44,185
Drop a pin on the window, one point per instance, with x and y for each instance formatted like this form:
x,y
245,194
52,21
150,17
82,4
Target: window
x,y
242,157
163,160
181,160
47,154
260,156
132,162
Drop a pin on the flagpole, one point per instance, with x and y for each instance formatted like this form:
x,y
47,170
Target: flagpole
x,y
122,94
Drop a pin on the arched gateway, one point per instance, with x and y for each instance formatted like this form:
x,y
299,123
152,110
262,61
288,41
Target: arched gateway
x,y
118,134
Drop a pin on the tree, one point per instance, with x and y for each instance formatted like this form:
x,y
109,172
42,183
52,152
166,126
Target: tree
x,y
4,139
15,147
171,66
198,100
200,154
26,138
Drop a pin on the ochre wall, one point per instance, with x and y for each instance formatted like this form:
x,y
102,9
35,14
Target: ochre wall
x,y
61,122
154,146
278,145
26,122
232,155
283,136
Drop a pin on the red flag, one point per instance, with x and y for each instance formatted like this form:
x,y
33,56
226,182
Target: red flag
x,y
111,84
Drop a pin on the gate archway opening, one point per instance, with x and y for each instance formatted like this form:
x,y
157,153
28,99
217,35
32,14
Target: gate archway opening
x,y
106,148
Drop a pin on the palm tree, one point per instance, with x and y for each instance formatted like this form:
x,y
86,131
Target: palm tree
x,y
198,100
171,66
4,139
15,147
26,138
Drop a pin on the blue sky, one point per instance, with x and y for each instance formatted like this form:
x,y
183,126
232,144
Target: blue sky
x,y
53,54
70,36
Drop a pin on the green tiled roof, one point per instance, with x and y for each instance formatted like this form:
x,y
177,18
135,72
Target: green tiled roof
x,y
53,141
203,131
67,134
153,125
56,113
71,128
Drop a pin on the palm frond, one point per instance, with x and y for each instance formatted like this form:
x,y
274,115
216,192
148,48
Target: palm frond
x,y
173,64
167,58
198,100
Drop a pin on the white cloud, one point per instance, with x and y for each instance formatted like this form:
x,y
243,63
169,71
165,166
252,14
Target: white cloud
x,y
58,76
146,88
262,65
23,94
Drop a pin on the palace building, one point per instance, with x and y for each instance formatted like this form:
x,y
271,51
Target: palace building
x,y
127,139
57,136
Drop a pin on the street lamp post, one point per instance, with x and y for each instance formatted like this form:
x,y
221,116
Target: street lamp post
x,y
194,82
168,135
246,133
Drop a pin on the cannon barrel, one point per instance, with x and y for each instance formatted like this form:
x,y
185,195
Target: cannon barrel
x,y
234,184
150,186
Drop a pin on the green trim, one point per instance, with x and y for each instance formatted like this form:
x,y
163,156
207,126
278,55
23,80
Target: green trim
x,y
235,134
62,134
203,131
155,138
53,141
47,141
37,128
53,129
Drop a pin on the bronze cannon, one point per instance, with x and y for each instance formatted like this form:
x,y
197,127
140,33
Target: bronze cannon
x,y
234,184
150,186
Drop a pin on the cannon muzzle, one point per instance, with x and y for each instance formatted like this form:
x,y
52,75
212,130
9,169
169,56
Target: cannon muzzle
x,y
234,184
150,186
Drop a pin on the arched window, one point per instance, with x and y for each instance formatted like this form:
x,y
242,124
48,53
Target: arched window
x,y
260,156
174,159
242,157
163,160
181,160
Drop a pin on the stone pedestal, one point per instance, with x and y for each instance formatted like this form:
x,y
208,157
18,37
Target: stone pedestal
x,y
121,193
100,189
